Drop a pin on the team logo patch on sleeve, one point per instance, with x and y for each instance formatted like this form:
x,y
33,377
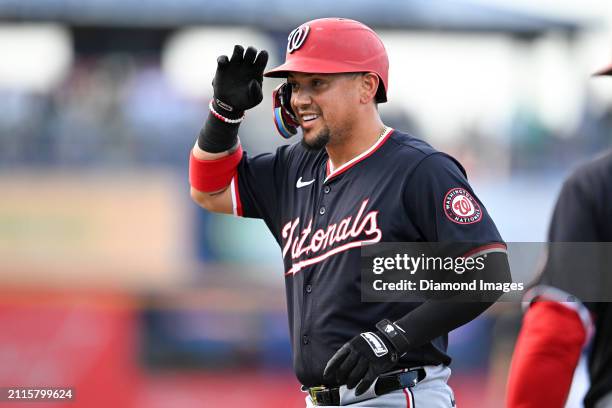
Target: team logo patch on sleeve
x,y
460,207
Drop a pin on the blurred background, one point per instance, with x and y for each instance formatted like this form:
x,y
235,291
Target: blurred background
x,y
113,282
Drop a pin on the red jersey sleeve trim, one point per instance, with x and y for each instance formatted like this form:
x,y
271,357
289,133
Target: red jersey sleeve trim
x,y
486,249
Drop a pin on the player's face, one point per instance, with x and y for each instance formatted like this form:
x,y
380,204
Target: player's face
x,y
323,105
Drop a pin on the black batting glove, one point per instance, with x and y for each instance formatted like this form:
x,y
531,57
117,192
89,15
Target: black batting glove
x,y
238,81
361,360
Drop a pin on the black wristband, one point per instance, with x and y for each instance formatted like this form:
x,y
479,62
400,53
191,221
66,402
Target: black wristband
x,y
217,136
394,334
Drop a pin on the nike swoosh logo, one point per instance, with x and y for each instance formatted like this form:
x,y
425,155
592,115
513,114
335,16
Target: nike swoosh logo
x,y
301,183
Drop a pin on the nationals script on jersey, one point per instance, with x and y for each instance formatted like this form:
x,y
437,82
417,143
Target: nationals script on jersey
x,y
351,232
399,190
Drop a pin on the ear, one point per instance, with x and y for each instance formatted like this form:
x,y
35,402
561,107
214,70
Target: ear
x,y
369,86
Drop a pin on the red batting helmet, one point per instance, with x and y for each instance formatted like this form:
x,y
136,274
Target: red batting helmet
x,y
335,45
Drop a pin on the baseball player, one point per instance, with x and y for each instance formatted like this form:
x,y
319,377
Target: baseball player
x,y
556,331
351,181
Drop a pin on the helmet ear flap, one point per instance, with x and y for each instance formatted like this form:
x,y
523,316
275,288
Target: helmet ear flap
x,y
284,119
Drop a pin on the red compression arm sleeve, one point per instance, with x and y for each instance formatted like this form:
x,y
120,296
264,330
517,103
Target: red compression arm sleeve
x,y
546,354
213,175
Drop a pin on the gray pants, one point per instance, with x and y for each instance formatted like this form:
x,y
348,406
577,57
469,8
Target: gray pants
x,y
432,392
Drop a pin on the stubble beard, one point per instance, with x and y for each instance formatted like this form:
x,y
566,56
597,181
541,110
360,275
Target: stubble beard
x,y
319,142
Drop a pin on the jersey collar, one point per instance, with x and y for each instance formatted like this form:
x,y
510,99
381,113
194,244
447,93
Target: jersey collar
x,y
331,173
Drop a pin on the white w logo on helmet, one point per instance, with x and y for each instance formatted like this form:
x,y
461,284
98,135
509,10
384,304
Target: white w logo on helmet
x,y
296,38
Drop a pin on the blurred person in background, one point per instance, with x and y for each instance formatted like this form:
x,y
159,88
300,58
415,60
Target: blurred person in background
x,y
352,181
562,321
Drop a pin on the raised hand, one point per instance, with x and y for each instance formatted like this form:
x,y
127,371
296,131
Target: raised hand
x,y
238,81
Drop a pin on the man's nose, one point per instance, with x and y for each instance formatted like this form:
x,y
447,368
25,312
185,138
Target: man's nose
x,y
301,97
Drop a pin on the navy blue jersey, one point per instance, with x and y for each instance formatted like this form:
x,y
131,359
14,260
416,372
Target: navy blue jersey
x,y
399,190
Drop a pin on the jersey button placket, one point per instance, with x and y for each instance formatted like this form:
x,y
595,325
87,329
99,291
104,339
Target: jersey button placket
x,y
323,202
